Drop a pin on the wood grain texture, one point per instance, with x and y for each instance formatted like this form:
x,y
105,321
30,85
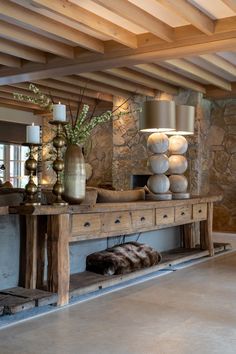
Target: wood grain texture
x,y
41,244
58,259
31,252
103,207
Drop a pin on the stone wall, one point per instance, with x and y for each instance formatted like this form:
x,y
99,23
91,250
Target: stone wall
x,y
98,153
117,150
222,163
129,145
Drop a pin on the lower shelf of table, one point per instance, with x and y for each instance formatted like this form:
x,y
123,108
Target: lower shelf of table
x,y
87,282
18,299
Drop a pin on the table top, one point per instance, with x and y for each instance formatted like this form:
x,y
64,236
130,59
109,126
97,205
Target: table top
x,y
108,207
4,210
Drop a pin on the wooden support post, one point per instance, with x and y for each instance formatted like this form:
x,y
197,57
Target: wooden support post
x,y
206,231
22,265
188,236
31,252
58,257
41,244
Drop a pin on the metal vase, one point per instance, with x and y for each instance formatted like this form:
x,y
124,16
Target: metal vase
x,y
74,175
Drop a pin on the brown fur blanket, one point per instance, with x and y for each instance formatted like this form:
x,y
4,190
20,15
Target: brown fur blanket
x,y
122,259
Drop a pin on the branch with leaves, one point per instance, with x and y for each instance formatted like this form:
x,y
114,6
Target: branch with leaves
x,y
81,125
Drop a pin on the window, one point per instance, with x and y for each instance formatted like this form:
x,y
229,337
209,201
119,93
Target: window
x,y
12,161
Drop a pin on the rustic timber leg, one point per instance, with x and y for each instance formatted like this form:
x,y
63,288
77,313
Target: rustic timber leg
x,y
41,243
206,231
22,265
31,252
188,236
58,257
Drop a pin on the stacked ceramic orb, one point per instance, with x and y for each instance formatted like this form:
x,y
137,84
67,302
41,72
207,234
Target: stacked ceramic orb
x,y
158,183
178,164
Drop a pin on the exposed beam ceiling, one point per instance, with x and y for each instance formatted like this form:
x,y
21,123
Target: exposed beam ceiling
x,y
184,9
139,17
85,17
105,48
23,17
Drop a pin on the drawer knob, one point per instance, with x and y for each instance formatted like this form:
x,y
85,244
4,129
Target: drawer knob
x,y
183,213
87,224
165,216
200,210
142,218
117,221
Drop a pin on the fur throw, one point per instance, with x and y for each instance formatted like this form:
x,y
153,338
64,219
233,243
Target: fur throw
x,y
122,259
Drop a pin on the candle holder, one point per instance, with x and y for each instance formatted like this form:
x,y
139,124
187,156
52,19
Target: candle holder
x,y
31,165
58,164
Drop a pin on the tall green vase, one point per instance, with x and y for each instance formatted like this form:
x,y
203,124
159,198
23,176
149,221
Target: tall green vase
x,y
74,175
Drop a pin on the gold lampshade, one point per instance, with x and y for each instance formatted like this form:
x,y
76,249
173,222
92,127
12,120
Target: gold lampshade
x,y
184,120
157,116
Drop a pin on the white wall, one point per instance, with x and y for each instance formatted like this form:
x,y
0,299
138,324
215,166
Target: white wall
x,y
21,117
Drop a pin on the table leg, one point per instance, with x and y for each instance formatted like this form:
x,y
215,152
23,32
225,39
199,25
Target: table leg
x,y
58,257
188,236
206,240
41,244
31,252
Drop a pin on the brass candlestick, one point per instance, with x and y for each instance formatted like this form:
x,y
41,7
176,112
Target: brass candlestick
x,y
31,166
58,164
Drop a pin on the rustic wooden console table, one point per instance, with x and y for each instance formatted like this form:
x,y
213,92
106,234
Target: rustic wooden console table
x,y
66,224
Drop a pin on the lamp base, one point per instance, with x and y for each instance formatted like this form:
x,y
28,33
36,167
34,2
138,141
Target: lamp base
x,y
177,196
160,196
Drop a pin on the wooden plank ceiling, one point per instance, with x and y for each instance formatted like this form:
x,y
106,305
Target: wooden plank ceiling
x,y
122,47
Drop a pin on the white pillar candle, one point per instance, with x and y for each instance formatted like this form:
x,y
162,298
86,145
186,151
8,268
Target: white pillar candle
x,y
59,112
33,134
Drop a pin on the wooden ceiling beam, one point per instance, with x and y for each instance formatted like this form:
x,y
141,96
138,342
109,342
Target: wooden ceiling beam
x,y
56,84
140,17
9,61
120,83
59,95
87,18
96,86
13,105
200,73
217,93
220,63
161,73
19,15
33,40
231,4
142,79
8,99
188,42
21,51
190,13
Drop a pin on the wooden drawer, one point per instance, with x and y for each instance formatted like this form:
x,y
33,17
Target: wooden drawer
x,y
85,223
164,216
142,218
183,213
116,221
200,211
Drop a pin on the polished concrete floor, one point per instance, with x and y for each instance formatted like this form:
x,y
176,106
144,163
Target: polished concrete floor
x,y
192,310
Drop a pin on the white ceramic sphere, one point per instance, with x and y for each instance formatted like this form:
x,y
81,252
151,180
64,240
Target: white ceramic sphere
x,y
158,184
178,145
158,163
158,143
178,183
178,164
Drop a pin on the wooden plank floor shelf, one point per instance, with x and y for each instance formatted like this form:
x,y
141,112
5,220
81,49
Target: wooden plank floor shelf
x,y
86,282
68,224
17,299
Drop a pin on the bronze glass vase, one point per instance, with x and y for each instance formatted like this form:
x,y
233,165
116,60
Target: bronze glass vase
x,y
74,175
